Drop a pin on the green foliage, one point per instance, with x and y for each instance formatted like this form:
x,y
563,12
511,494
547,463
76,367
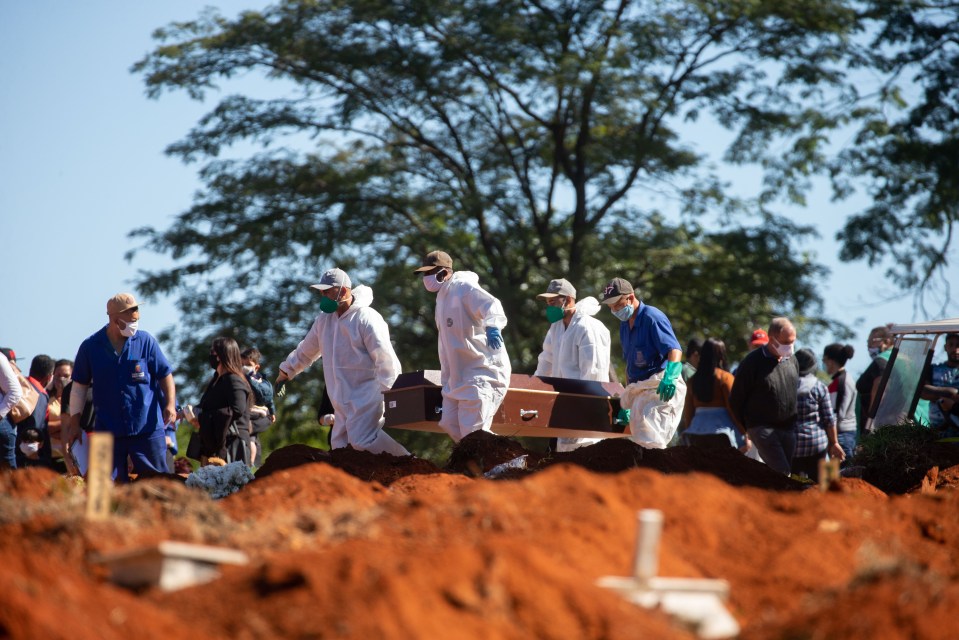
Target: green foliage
x,y
895,457
895,447
906,152
526,139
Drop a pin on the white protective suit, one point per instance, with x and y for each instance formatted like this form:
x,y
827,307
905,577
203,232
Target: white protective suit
x,y
475,377
359,364
579,351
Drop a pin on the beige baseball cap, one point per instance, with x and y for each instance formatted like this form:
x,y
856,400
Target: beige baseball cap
x,y
559,287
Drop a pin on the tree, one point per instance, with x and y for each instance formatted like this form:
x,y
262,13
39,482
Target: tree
x,y
907,150
527,138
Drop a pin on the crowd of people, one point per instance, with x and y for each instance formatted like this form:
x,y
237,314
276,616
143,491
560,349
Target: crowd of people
x,y
772,407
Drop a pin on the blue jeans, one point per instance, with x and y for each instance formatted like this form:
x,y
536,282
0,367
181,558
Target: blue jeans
x,y
776,446
8,444
847,440
710,420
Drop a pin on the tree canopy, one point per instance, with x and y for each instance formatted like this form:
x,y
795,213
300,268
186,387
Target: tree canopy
x,y
907,151
529,139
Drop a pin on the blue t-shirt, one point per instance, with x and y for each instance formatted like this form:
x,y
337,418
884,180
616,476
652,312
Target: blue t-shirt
x,y
126,393
647,344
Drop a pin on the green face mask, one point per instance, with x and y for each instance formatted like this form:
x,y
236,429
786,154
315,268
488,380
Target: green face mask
x,y
328,306
554,314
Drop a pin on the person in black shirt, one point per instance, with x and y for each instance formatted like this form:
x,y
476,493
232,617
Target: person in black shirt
x,y
224,409
880,344
763,398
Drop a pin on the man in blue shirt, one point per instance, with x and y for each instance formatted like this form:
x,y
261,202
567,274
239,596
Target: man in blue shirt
x,y
133,391
656,390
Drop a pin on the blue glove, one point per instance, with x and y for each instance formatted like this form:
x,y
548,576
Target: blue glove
x,y
494,338
667,386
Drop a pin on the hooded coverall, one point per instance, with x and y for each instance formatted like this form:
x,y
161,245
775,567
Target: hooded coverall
x,y
475,377
359,364
579,351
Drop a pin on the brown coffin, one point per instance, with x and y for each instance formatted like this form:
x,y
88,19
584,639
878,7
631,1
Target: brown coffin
x,y
416,398
533,406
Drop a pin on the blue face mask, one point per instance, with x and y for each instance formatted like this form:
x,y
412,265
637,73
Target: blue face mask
x,y
624,314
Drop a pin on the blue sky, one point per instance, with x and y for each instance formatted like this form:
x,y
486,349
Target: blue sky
x,y
82,163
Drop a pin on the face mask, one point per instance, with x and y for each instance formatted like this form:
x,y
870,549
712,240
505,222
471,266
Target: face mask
x,y
327,305
873,352
433,283
30,448
554,314
781,350
213,361
130,329
248,369
624,314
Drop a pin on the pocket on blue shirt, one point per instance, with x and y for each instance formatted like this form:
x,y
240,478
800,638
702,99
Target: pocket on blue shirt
x,y
135,372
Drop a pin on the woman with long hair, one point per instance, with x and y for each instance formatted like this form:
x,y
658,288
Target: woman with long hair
x,y
707,410
224,409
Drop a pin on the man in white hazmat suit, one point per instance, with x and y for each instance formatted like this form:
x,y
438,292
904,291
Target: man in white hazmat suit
x,y
359,363
474,365
576,345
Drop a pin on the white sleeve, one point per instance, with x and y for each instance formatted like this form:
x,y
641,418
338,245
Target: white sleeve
x,y
10,387
78,398
376,339
544,364
594,352
487,308
306,353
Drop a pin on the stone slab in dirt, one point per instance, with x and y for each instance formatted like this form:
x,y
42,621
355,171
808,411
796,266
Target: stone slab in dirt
x,y
355,545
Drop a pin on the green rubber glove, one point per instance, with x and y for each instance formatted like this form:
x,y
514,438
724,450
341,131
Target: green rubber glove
x,y
667,386
622,417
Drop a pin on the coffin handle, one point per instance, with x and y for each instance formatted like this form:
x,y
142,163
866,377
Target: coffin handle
x,y
528,414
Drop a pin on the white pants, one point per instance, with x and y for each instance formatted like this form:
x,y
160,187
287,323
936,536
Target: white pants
x,y
653,423
463,416
364,435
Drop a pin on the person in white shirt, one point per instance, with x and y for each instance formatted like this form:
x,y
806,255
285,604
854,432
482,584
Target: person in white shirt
x,y
576,346
10,393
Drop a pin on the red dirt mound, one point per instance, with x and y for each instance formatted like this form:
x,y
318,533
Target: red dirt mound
x,y
445,555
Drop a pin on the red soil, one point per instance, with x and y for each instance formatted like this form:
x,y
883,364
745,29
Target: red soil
x,y
354,545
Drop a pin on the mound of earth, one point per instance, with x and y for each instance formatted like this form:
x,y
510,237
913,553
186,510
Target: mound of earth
x,y
356,545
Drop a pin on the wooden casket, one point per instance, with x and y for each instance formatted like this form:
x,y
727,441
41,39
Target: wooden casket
x,y
533,406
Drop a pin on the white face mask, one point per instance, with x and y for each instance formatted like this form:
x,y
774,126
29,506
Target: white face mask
x,y
781,350
30,448
248,369
431,283
130,329
873,352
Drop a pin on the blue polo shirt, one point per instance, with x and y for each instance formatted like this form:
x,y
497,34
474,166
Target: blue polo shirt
x,y
646,345
126,392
